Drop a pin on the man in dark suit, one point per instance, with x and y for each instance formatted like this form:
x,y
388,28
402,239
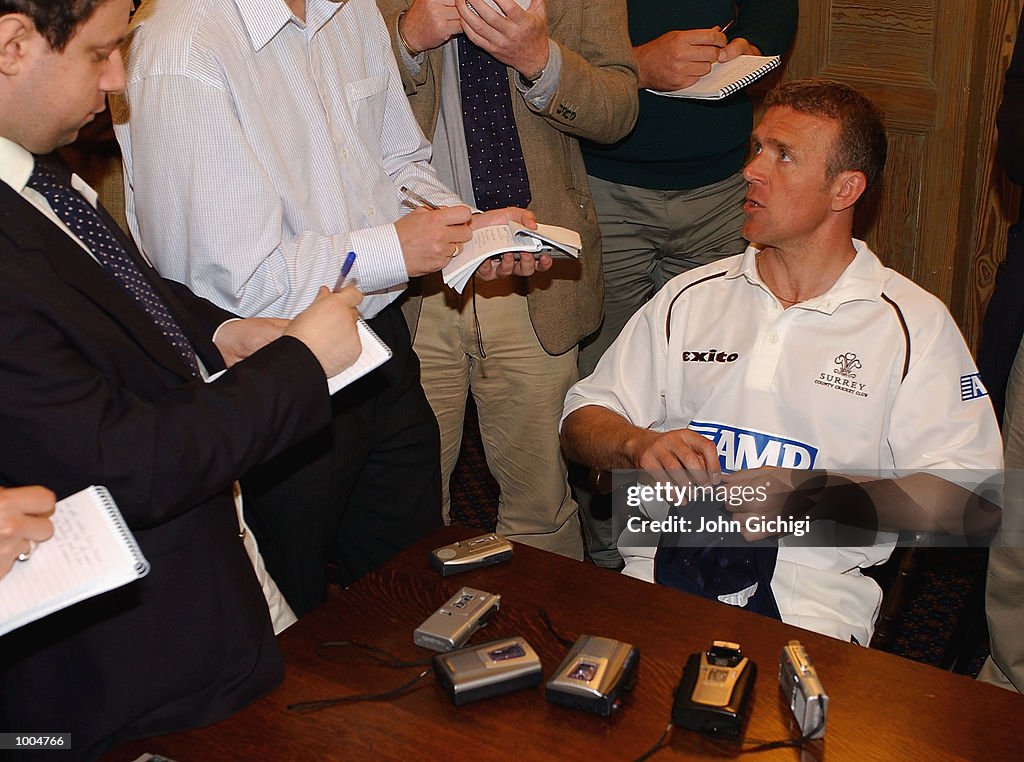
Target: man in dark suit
x,y
102,372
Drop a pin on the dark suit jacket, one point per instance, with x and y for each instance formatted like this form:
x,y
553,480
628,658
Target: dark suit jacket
x,y
91,393
596,99
1003,326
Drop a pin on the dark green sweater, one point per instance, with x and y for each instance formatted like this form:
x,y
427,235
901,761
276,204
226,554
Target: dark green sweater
x,y
680,143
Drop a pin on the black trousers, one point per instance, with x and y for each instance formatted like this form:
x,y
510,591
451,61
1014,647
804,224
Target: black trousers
x,y
359,491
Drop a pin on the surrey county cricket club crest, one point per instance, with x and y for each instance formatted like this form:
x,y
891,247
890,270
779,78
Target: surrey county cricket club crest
x,y
843,375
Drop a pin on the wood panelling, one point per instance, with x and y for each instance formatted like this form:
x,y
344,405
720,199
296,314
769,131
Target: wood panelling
x,y
901,35
991,200
936,68
891,215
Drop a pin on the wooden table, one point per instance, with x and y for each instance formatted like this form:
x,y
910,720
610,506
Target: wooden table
x,y
881,706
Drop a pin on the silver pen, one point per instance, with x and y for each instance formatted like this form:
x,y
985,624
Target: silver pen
x,y
414,196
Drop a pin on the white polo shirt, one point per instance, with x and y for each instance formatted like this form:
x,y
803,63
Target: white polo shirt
x,y
873,376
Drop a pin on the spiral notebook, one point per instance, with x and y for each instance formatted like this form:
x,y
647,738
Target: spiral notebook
x,y
91,551
374,354
727,78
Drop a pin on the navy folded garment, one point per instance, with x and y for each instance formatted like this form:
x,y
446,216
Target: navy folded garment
x,y
718,565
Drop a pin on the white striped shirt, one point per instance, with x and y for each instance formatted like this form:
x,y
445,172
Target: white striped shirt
x,y
259,150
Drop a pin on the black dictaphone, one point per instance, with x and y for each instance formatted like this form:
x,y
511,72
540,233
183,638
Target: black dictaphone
x,y
714,691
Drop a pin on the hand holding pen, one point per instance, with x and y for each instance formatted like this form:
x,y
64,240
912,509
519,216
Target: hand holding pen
x,y
462,230
738,46
431,235
346,269
677,59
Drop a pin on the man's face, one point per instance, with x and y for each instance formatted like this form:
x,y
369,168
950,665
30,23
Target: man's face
x,y
789,197
63,91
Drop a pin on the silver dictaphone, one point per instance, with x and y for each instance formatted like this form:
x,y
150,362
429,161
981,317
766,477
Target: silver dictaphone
x,y
593,675
489,669
800,684
457,619
474,553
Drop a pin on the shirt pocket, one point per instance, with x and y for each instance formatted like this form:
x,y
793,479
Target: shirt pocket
x,y
366,99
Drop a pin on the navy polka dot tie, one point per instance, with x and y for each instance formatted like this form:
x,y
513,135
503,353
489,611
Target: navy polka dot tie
x,y
492,141
84,221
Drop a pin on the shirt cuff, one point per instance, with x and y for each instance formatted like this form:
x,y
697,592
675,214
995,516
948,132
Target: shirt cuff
x,y
540,92
232,320
379,264
412,64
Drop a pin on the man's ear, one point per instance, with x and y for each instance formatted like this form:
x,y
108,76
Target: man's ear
x,y
847,188
16,33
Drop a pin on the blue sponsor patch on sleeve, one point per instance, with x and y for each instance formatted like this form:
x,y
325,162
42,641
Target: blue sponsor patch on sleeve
x,y
971,387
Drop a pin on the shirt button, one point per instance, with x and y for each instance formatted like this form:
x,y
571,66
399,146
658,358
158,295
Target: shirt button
x,y
371,211
773,339
344,153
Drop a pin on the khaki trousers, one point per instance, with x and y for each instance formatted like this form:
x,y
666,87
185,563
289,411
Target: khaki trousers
x,y
485,343
1004,591
647,238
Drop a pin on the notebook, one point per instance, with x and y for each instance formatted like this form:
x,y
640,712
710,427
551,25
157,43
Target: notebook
x,y
374,354
91,551
727,78
495,240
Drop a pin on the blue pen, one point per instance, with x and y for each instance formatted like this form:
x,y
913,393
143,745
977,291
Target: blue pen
x,y
345,270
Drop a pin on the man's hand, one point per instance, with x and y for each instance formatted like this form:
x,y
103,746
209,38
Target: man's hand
x,y
524,217
684,456
771,493
328,328
527,264
238,339
430,238
24,513
516,37
677,59
429,24
737,47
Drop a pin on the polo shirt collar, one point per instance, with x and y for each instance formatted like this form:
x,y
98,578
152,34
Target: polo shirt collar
x,y
862,279
263,19
16,165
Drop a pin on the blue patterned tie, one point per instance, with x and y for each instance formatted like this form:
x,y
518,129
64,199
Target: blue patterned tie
x,y
85,222
492,141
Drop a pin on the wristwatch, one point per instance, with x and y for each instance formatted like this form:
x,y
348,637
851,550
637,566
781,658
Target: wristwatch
x,y
531,82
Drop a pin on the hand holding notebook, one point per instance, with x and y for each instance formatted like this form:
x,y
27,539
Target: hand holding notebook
x,y
495,240
726,78
91,551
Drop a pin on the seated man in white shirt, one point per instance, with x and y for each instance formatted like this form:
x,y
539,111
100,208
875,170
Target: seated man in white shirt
x,y
803,352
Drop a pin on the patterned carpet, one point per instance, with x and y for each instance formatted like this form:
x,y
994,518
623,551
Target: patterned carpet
x,y
935,599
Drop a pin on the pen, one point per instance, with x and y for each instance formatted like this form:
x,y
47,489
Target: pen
x,y
726,27
345,270
413,195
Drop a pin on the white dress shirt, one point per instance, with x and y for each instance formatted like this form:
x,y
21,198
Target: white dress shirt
x,y
16,167
260,149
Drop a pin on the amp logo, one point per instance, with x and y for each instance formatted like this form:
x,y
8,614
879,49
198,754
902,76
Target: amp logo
x,y
740,449
971,387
